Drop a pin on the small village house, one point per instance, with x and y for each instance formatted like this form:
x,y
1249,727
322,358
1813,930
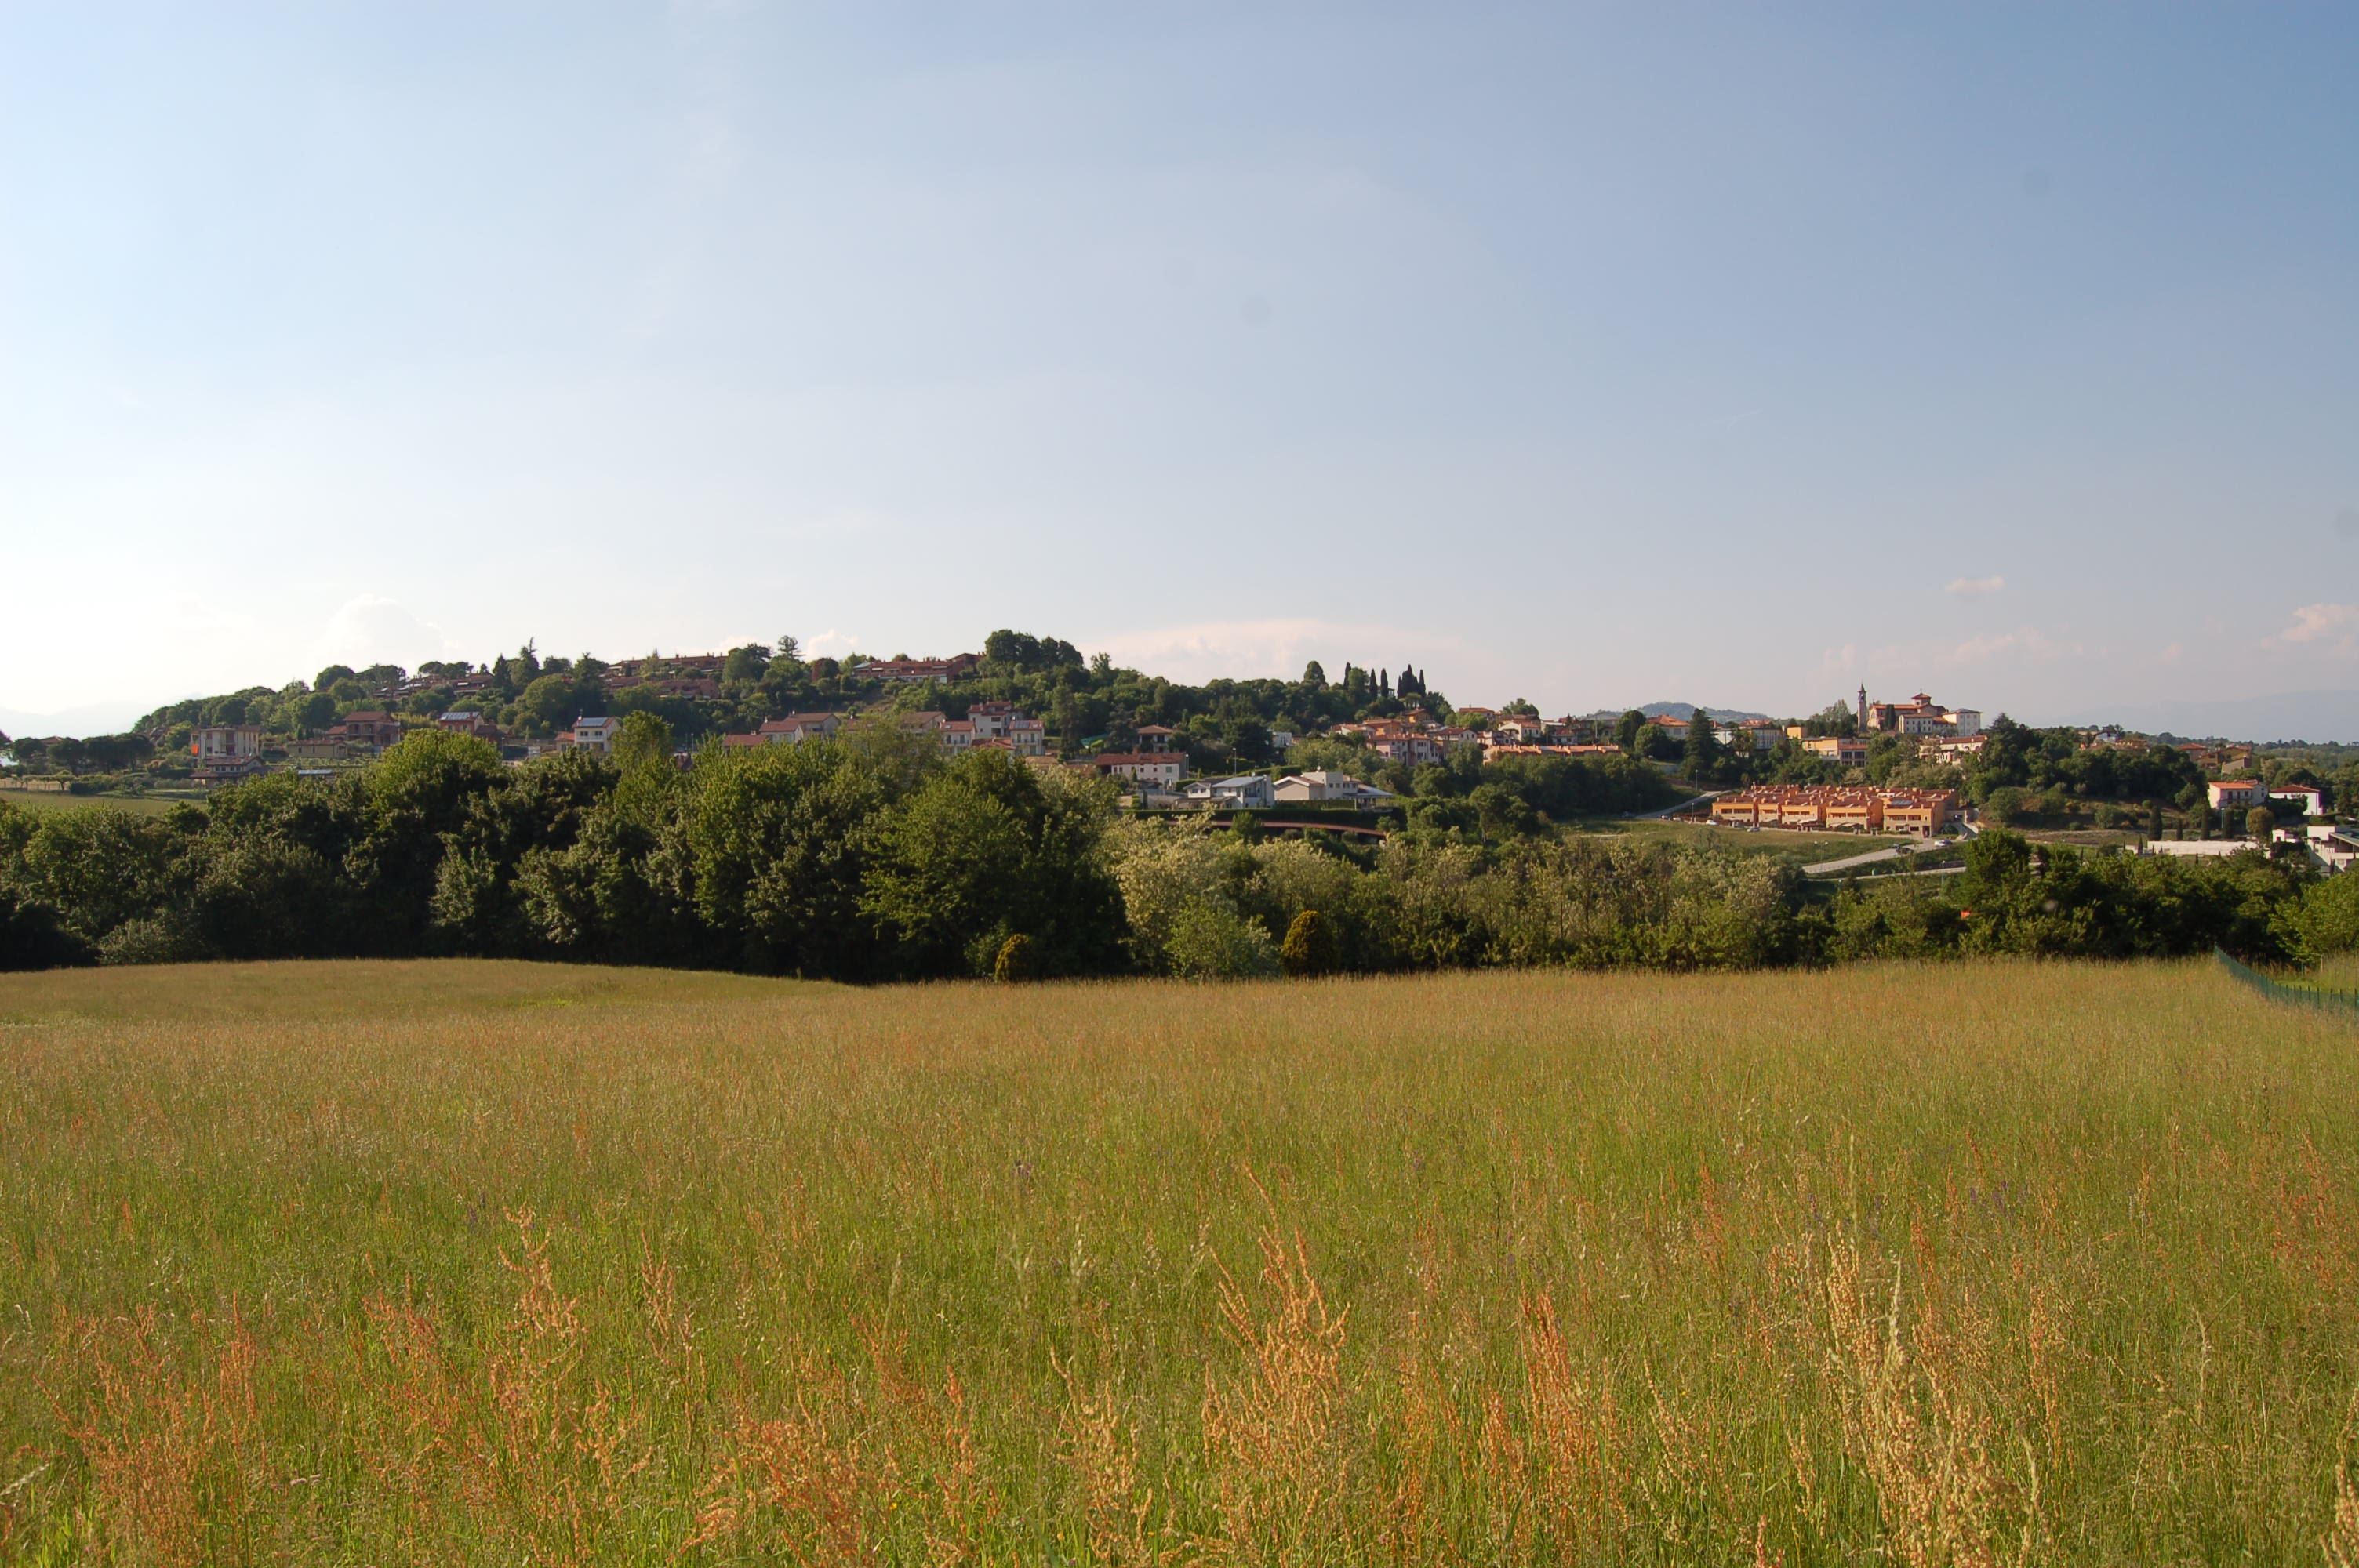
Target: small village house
x,y
1245,791
1154,768
595,734
1327,786
225,751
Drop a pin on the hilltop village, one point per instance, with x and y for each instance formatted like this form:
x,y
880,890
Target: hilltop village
x,y
1370,741
1025,810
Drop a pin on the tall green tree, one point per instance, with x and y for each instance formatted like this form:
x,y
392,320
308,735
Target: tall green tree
x,y
644,741
781,839
1702,757
989,849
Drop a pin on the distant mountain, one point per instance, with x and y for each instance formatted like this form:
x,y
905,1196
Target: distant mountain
x,y
1688,711
97,718
2315,716
1677,710
1682,711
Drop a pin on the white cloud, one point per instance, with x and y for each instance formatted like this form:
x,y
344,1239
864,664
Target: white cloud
x,y
1975,586
2333,628
372,630
833,644
2025,645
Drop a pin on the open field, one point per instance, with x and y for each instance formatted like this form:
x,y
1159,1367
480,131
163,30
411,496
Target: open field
x,y
444,1262
2087,837
1767,841
46,800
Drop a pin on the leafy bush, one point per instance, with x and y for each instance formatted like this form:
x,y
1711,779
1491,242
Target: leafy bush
x,y
152,939
1016,961
2326,921
1210,942
1309,945
34,936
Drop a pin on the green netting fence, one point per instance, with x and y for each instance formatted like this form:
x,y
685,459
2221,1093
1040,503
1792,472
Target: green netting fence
x,y
2345,1003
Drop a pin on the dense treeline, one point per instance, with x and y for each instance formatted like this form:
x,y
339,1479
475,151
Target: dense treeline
x,y
875,858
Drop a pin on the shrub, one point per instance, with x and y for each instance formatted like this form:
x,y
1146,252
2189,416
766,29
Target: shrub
x,y
161,940
1017,961
1210,942
1309,945
33,937
2326,921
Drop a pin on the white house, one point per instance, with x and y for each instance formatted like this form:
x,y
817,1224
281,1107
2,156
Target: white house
x,y
596,734
1250,791
225,750
1163,769
1326,785
2309,800
796,728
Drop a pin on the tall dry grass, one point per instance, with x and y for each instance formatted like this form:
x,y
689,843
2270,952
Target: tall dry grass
x,y
436,1263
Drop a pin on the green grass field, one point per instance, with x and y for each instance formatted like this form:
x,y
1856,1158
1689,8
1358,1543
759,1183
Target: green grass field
x,y
475,1262
2087,837
1809,847
45,800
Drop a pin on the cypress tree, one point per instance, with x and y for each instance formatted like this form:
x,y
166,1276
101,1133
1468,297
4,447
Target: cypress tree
x,y
1703,747
1309,945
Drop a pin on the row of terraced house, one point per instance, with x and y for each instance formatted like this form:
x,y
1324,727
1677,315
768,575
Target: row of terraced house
x,y
988,725
1839,808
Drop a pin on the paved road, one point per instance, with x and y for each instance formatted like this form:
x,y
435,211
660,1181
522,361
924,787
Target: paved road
x,y
1826,867
1706,798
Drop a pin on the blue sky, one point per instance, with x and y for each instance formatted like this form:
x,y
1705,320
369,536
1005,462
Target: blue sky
x,y
1589,354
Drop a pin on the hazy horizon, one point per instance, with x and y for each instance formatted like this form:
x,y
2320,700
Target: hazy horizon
x,y
1637,354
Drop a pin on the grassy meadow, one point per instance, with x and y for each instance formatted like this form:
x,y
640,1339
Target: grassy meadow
x,y
1805,846
137,804
478,1262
